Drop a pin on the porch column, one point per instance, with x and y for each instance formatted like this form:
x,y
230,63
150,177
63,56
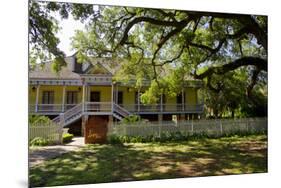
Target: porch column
x,y
160,119
182,94
37,98
88,90
112,99
116,96
63,98
83,97
138,99
161,102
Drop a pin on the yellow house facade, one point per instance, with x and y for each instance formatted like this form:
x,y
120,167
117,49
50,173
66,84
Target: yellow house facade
x,y
88,89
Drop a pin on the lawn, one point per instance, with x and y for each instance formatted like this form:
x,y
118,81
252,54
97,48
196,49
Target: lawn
x,y
128,162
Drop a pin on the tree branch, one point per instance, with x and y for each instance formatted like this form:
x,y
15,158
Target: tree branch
x,y
244,61
149,20
167,14
169,35
256,30
173,59
210,86
204,47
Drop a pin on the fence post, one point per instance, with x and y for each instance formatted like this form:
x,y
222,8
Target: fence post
x,y
160,124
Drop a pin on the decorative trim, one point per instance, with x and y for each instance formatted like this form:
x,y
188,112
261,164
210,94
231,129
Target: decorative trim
x,y
55,82
102,80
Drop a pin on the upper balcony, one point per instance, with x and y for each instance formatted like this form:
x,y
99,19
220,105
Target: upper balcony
x,y
105,108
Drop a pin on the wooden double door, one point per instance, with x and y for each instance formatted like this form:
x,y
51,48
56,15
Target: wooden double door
x,y
95,100
96,129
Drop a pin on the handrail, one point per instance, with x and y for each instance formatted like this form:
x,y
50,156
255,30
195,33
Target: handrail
x,y
120,110
69,113
73,111
56,119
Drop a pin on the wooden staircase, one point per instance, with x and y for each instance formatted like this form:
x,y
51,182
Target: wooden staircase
x,y
119,112
79,110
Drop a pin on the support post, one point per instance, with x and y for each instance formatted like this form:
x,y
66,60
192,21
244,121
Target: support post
x,y
138,100
182,94
37,97
182,117
116,96
161,103
192,127
112,99
83,97
63,99
160,118
160,121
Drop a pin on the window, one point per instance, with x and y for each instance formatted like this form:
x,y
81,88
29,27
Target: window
x,y
179,99
48,97
71,97
95,96
120,98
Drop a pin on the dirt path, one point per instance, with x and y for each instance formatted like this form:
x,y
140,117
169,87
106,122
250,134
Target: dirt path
x,y
40,154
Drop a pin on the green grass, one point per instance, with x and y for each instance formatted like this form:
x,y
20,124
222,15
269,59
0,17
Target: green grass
x,y
146,161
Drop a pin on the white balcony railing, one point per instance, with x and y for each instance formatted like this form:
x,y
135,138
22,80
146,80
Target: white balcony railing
x,y
107,107
164,108
50,108
98,107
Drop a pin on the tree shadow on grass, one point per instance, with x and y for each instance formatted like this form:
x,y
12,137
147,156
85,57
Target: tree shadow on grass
x,y
40,155
115,163
93,164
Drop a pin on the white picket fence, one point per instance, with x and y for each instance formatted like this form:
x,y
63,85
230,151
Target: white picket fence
x,y
51,131
210,127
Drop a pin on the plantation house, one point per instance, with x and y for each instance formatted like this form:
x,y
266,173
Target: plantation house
x,y
85,98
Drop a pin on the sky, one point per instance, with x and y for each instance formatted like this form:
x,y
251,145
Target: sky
x,y
68,27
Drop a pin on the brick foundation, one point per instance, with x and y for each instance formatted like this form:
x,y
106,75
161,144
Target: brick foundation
x,y
96,129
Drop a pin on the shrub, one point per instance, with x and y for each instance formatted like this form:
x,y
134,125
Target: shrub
x,y
36,119
39,141
114,139
131,119
173,137
67,137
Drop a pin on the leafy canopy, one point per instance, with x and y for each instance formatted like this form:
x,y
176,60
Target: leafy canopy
x,y
164,46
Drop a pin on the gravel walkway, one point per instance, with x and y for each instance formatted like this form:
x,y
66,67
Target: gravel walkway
x,y
40,154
